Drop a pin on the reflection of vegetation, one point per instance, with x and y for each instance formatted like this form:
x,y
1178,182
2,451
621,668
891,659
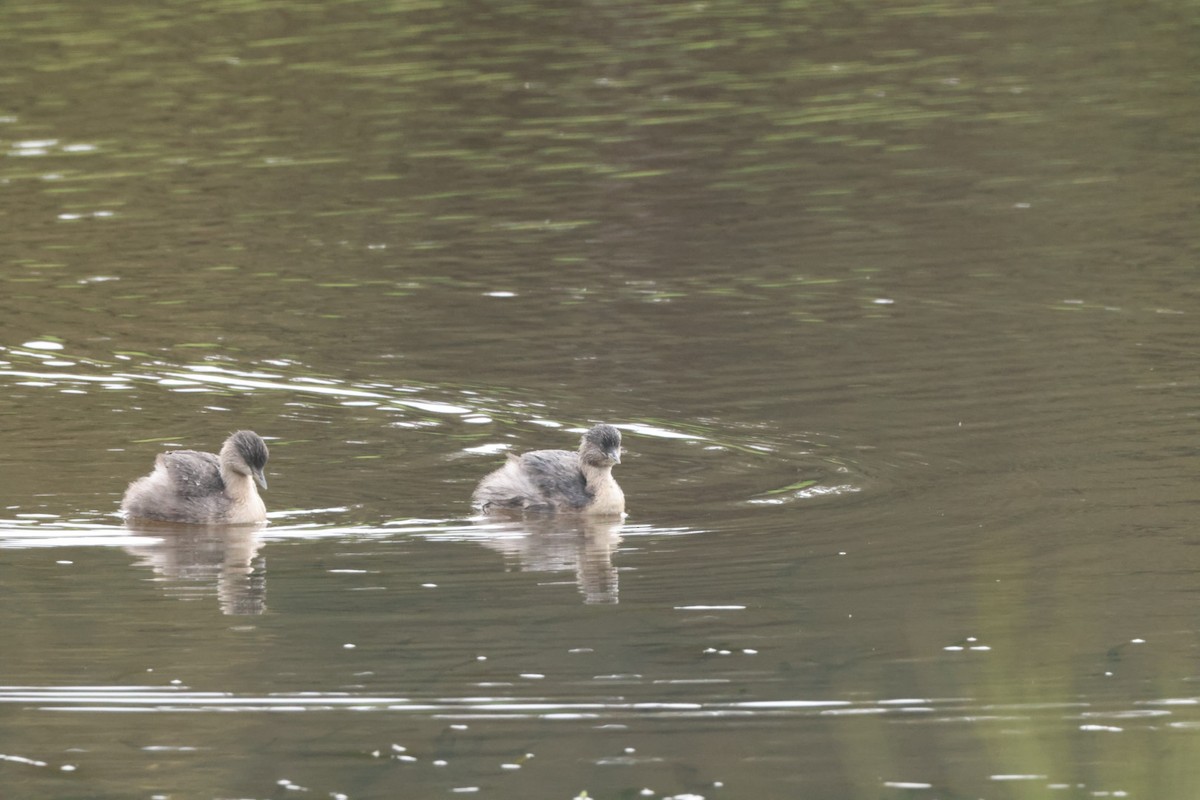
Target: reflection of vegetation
x,y
794,487
1037,708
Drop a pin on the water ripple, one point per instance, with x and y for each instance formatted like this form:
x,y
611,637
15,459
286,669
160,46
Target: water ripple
x,y
170,699
746,465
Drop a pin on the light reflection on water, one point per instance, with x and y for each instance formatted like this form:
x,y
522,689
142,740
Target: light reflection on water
x,y
181,698
907,711
194,559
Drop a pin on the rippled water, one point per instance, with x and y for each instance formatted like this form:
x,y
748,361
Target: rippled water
x,y
895,306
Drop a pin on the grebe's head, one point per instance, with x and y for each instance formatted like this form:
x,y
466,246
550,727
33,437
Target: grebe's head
x,y
246,453
601,446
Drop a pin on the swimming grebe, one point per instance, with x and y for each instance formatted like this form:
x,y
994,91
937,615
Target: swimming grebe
x,y
558,480
201,488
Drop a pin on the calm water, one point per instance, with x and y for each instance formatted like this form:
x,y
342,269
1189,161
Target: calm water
x,y
896,305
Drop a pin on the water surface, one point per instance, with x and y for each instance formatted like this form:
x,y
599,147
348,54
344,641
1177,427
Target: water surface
x,y
895,305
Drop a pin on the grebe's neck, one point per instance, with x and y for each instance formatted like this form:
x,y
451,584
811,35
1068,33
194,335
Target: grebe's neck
x,y
246,505
607,497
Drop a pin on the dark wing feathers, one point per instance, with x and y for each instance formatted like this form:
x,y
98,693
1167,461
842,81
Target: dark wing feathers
x,y
557,477
193,474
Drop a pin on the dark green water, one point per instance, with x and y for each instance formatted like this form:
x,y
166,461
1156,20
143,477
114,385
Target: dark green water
x,y
895,303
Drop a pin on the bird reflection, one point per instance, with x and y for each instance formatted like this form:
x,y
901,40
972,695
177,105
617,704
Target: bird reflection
x,y
196,556
557,544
